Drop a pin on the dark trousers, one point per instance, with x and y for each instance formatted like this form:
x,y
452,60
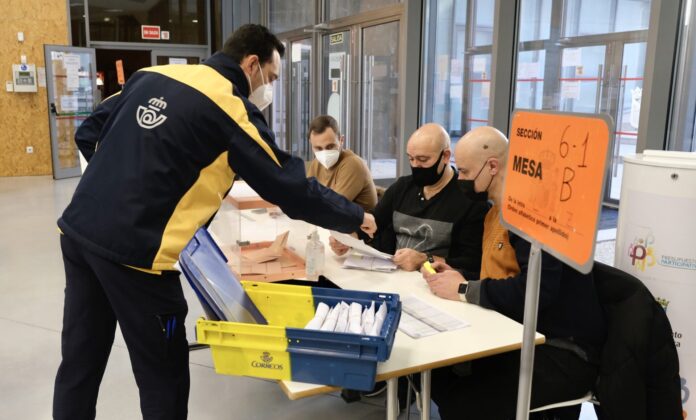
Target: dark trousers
x,y
149,308
487,388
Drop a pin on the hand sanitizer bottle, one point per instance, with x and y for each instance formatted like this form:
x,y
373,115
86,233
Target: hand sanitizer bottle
x,y
314,257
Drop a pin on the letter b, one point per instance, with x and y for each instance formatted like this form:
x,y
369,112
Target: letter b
x,y
566,189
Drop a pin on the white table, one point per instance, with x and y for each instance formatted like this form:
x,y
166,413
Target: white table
x,y
490,333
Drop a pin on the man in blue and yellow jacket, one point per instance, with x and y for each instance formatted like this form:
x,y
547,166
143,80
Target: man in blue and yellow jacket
x,y
162,155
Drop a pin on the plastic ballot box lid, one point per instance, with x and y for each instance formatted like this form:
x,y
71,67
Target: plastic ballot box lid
x,y
219,290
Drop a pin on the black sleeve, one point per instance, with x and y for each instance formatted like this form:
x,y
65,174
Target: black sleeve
x,y
285,184
507,296
467,234
87,134
385,238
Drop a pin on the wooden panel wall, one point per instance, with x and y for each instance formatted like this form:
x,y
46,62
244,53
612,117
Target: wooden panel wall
x,y
24,116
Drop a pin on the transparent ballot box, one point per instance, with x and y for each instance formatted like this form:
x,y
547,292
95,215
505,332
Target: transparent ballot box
x,y
260,242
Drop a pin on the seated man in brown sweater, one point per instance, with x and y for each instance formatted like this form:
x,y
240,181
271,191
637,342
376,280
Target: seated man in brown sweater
x,y
337,168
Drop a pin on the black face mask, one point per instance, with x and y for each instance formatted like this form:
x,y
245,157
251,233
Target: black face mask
x,y
467,185
427,176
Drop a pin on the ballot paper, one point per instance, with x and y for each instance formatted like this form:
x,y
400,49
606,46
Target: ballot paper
x,y
359,246
380,316
342,323
331,319
420,319
368,318
350,318
355,318
271,253
365,262
319,317
415,328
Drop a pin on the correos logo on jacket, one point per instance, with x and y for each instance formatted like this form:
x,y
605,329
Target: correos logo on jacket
x,y
150,117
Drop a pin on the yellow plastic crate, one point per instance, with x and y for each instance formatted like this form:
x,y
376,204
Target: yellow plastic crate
x,y
284,350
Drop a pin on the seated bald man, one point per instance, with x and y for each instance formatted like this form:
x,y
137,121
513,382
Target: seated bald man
x,y
338,168
570,316
428,215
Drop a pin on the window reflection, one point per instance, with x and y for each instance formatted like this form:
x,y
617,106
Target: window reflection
x,y
122,20
458,64
586,56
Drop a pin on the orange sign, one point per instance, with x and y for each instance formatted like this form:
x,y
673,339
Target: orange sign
x,y
119,73
554,182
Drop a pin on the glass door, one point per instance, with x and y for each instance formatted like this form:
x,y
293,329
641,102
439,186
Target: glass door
x,y
478,90
582,78
586,56
71,84
627,114
379,99
530,79
299,98
336,82
457,64
363,94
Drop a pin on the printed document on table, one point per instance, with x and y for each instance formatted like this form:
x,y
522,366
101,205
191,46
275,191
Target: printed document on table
x,y
359,245
420,319
366,262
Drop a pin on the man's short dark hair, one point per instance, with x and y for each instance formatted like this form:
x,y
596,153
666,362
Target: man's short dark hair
x,y
321,123
253,39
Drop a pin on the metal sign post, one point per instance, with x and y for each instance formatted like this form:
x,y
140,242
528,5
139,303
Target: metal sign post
x,y
531,306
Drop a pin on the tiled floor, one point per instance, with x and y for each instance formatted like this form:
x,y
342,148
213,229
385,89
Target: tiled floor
x,y
31,302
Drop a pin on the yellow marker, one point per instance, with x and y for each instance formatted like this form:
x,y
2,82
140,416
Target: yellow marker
x,y
429,268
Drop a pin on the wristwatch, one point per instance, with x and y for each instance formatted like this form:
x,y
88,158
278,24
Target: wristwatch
x,y
463,287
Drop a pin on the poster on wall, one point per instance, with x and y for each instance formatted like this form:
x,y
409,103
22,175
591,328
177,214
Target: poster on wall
x,y
655,249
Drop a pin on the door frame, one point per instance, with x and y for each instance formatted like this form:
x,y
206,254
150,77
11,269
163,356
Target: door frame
x,y
202,51
182,51
287,82
58,172
354,115
364,148
353,25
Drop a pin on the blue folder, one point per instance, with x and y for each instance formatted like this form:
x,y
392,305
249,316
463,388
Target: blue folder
x,y
221,294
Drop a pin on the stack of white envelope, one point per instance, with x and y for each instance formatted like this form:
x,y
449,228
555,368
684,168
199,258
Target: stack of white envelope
x,y
345,318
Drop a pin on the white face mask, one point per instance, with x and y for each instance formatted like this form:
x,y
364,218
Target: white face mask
x,y
328,158
262,96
